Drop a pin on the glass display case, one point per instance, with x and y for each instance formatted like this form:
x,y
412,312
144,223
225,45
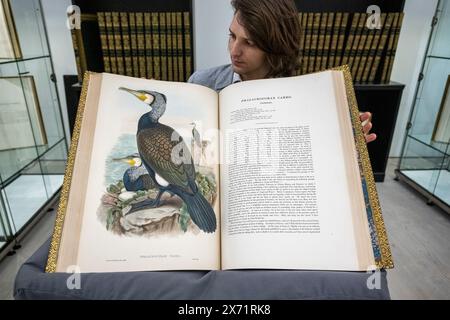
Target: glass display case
x,y
33,148
425,158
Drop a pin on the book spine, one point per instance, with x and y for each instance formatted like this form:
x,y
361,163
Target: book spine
x,y
180,53
126,45
372,52
354,52
381,46
141,44
394,48
175,55
350,40
327,45
314,42
307,47
148,44
187,43
163,45
103,41
342,34
118,43
111,42
334,39
363,47
170,55
156,49
321,41
390,45
302,19
134,44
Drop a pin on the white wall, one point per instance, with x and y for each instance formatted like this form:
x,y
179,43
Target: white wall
x,y
212,19
408,61
60,47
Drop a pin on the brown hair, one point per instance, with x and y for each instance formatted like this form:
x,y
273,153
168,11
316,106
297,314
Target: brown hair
x,y
274,26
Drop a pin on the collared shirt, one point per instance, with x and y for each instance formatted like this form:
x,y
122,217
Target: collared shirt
x,y
236,77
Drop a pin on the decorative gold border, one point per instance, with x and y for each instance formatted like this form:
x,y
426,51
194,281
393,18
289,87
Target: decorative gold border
x,y
383,243
59,222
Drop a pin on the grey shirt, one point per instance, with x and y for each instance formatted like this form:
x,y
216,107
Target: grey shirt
x,y
215,78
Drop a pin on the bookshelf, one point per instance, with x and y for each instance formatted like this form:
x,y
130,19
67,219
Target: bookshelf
x,y
136,39
336,33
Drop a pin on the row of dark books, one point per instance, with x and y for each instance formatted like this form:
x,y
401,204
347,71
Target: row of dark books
x,y
153,45
362,41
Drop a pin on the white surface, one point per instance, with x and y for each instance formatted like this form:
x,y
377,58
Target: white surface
x,y
427,179
28,193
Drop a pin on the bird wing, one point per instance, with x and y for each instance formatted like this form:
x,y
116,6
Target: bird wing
x,y
155,147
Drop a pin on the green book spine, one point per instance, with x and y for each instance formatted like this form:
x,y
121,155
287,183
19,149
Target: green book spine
x,y
126,45
148,44
173,29
103,40
327,43
372,50
354,50
394,48
360,51
321,41
390,45
141,44
187,44
111,42
163,45
180,53
381,46
308,34
134,44
334,40
118,43
342,34
314,42
169,46
156,49
300,19
350,40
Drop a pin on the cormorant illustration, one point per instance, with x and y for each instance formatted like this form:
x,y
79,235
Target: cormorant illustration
x,y
196,135
137,177
156,144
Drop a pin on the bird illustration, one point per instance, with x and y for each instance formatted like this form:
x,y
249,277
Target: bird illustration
x,y
196,135
137,177
168,161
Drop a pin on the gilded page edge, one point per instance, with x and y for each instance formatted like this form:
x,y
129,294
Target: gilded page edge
x,y
386,261
61,213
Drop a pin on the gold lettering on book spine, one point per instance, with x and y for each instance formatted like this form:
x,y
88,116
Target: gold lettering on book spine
x,y
60,215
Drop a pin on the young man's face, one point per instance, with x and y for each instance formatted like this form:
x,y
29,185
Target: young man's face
x,y
247,59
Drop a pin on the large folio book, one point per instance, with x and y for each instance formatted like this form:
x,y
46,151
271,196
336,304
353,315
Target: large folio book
x,y
266,174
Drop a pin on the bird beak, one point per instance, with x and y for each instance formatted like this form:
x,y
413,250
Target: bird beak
x,y
125,160
135,93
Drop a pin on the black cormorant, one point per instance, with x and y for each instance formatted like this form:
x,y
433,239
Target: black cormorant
x,y
137,177
171,170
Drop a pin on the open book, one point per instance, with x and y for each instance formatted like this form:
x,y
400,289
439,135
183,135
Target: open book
x,y
266,174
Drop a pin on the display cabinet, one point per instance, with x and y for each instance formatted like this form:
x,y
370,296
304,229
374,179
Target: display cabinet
x,y
33,147
425,158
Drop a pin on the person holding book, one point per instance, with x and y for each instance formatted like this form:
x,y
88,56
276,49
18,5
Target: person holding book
x,y
264,42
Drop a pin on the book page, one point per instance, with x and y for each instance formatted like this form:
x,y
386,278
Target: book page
x,y
120,229
290,182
